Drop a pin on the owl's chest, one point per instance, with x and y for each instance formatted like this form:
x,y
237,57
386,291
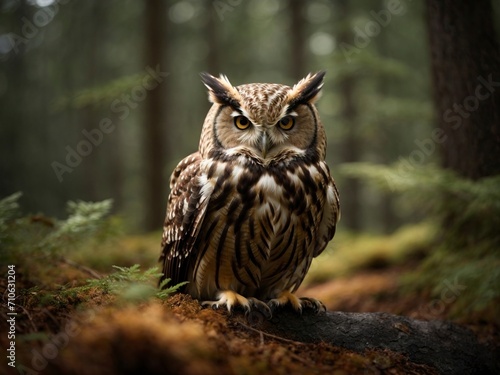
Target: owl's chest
x,y
267,198
274,208
258,223
271,210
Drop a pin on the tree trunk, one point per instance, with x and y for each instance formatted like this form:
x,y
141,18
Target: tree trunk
x,y
351,204
212,35
154,144
297,40
384,141
90,55
466,74
447,347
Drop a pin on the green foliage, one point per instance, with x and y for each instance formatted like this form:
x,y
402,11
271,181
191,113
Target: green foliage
x,y
468,243
9,209
105,93
40,236
129,284
371,65
350,252
38,246
164,292
470,209
85,220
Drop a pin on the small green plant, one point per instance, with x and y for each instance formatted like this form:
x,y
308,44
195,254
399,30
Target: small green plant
x,y
43,250
126,284
26,240
85,220
134,285
9,210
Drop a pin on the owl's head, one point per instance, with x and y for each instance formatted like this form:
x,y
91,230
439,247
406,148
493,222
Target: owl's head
x,y
263,121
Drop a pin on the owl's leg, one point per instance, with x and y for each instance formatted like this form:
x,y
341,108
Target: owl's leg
x,y
297,303
231,298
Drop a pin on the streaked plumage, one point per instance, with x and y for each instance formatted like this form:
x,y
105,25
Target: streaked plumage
x,y
249,211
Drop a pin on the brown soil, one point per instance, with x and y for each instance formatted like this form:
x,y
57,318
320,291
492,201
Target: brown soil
x,y
177,336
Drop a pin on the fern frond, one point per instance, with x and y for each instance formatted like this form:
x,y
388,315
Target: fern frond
x,y
165,292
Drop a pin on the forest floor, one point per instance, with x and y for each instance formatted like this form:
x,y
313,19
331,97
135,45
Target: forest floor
x,y
89,330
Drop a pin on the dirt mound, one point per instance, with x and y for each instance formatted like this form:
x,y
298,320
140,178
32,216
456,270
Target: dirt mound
x,y
179,337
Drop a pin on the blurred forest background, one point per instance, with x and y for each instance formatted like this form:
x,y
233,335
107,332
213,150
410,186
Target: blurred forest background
x,y
99,100
67,66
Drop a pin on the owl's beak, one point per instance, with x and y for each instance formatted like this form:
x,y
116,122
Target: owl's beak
x,y
265,144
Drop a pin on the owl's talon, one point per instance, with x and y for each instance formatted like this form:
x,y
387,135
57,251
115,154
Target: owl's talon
x,y
214,305
286,297
312,303
273,304
232,299
261,307
298,304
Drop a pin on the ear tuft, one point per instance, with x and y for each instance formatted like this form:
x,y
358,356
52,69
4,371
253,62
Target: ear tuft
x,y
220,90
307,90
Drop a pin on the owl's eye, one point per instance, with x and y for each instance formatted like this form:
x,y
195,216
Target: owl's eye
x,y
286,123
241,122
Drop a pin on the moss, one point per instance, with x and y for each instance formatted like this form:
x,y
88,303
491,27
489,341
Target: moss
x,y
353,252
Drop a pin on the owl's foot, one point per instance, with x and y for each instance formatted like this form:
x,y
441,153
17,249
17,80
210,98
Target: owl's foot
x,y
231,299
312,303
287,297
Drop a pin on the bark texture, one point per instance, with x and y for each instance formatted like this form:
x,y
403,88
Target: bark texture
x,y
154,124
449,348
465,59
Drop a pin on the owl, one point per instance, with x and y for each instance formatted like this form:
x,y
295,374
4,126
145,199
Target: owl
x,y
256,203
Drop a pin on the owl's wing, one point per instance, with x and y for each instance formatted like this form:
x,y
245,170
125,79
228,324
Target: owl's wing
x,y
186,209
331,214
